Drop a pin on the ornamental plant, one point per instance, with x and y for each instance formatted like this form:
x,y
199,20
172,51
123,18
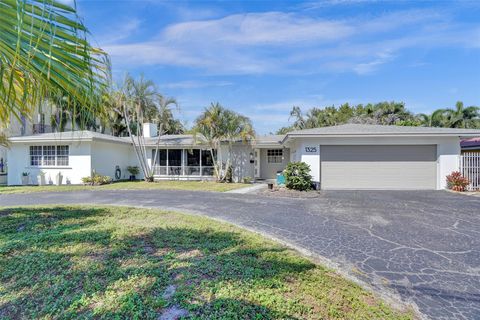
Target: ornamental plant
x,y
457,182
297,176
96,180
133,170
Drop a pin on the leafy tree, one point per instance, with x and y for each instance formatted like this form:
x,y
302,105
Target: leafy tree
x,y
135,102
435,119
143,96
460,117
383,113
164,116
218,124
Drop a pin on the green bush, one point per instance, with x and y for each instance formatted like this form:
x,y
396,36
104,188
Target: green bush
x,y
134,170
96,180
87,180
297,176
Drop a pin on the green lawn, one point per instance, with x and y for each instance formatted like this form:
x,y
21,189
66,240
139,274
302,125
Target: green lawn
x,y
129,185
116,262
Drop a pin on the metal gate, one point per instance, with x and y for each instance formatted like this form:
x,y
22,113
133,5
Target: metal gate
x,y
470,169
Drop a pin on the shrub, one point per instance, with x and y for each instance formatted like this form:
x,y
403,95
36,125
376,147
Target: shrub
x,y
457,182
134,170
247,180
87,180
97,180
297,176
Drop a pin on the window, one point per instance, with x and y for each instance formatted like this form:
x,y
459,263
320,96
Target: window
x,y
51,156
62,155
274,155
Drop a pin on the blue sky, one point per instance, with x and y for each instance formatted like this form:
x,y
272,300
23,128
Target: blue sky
x,y
262,57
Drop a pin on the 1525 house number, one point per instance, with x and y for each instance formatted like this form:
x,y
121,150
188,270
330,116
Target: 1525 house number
x,y
310,149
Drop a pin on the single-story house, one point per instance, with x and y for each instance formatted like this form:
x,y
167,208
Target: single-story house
x,y
470,145
351,156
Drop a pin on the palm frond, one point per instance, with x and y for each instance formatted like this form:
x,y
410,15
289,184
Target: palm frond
x,y
43,48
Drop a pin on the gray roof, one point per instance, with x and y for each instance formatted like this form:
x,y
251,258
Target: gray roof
x,y
269,140
379,130
175,140
83,135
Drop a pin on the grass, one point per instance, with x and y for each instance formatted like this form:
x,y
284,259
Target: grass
x,y
130,185
116,263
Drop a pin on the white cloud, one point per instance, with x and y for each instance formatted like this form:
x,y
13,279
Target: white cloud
x,y
276,42
121,31
258,29
194,84
368,67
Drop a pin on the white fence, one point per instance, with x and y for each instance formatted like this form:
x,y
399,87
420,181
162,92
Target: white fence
x,y
470,168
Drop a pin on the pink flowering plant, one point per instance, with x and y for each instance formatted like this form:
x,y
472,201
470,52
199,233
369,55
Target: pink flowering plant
x,y
457,182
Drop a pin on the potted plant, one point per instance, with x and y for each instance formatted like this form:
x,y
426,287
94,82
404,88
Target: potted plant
x,y
58,179
133,170
41,178
25,178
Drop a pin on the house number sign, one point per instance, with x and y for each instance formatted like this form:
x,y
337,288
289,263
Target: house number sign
x,y
311,149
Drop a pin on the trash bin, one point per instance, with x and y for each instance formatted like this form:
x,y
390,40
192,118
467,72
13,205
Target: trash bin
x,y
280,178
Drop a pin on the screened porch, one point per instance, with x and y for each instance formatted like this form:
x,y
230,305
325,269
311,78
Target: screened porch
x,y
188,163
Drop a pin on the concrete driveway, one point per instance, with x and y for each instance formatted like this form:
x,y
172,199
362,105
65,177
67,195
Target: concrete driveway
x,y
422,246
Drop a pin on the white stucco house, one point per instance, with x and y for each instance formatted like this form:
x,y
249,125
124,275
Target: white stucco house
x,y
350,156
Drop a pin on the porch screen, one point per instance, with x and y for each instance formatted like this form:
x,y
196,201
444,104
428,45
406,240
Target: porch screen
x,y
175,161
193,162
161,162
207,163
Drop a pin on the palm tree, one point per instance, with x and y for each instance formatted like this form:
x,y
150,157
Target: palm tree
x,y
164,116
300,122
218,124
43,48
144,96
461,117
435,119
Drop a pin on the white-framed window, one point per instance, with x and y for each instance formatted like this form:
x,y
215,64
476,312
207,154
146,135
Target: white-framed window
x,y
49,156
274,156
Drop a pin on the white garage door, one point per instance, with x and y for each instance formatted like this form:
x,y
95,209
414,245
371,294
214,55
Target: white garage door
x,y
378,167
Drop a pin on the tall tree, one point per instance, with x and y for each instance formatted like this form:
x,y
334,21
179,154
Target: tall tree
x,y
138,101
164,116
218,124
43,48
144,97
461,117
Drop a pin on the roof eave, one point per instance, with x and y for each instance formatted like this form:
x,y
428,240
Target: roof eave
x,y
336,135
16,140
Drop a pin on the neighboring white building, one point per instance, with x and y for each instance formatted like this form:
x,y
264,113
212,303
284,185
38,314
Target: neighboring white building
x,y
340,157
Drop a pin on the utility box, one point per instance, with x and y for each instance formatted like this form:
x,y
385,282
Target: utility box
x,y
280,178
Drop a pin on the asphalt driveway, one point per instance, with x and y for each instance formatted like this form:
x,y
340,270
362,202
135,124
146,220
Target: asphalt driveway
x,y
422,246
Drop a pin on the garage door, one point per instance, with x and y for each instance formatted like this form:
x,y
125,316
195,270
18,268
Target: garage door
x,y
378,167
